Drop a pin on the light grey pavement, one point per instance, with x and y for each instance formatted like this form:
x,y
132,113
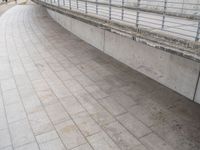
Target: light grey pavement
x,y
4,7
59,93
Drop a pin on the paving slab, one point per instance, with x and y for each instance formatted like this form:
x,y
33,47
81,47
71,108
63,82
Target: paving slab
x,y
58,92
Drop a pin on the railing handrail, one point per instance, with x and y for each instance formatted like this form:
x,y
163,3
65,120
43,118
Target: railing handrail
x,y
164,20
173,14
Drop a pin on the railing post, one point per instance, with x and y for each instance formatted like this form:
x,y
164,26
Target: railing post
x,y
86,6
63,2
76,4
110,9
122,15
96,6
198,32
58,2
182,6
164,11
70,5
138,13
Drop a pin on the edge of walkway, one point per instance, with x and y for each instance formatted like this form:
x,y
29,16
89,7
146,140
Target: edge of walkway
x,y
6,6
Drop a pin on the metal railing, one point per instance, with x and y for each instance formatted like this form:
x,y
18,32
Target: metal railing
x,y
4,1
180,18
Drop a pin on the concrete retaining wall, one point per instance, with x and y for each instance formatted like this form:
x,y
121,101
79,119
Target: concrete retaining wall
x,y
177,73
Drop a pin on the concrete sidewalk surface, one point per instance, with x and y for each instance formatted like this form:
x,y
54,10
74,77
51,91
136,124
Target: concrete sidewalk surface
x,y
59,93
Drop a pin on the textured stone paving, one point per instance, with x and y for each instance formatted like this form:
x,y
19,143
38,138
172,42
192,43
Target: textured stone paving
x,y
5,6
59,93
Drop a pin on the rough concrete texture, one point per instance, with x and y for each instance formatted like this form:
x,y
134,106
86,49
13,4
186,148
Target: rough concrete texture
x,y
60,93
175,72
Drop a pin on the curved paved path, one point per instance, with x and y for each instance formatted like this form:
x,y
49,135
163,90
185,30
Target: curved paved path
x,y
58,93
4,7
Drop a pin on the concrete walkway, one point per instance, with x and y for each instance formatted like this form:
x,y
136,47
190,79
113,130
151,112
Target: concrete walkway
x,y
59,93
5,6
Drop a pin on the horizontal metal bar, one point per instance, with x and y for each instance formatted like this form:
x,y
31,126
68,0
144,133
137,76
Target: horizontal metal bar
x,y
179,15
152,21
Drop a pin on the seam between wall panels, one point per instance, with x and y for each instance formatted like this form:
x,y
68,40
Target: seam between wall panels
x,y
196,86
104,36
